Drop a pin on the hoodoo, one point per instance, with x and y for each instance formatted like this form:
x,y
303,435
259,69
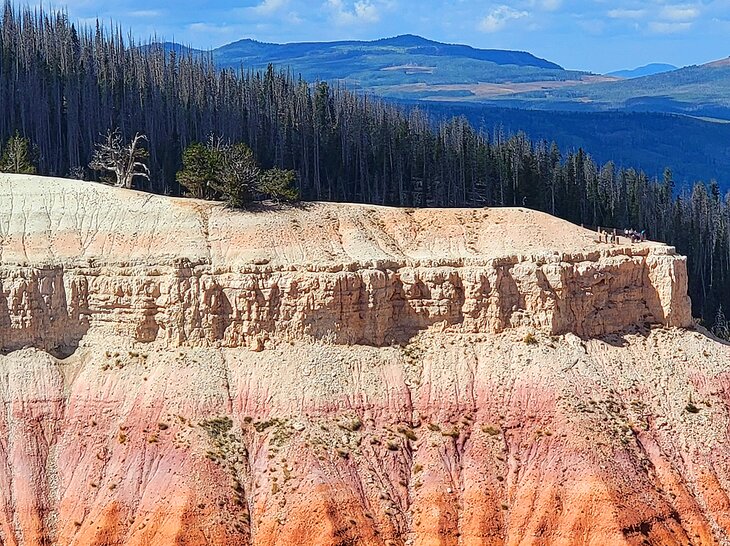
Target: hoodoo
x,y
175,372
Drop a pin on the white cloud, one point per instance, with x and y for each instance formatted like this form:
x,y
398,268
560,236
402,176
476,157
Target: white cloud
x,y
268,7
498,18
362,11
294,18
550,5
662,27
667,19
679,13
620,13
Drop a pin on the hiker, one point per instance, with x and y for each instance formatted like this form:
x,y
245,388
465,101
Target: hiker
x,y
600,240
643,235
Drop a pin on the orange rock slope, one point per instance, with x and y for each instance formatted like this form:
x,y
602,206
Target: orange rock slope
x,y
176,373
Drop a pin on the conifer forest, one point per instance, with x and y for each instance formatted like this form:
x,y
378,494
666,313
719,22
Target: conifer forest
x,y
62,88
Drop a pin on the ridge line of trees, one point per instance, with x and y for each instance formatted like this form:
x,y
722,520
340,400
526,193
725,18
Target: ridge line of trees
x,y
62,85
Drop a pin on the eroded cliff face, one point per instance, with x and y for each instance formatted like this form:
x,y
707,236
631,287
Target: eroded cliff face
x,y
396,276
192,305
341,375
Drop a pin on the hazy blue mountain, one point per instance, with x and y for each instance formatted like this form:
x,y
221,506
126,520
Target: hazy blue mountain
x,y
646,70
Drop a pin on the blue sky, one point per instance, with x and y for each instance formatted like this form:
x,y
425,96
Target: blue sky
x,y
597,35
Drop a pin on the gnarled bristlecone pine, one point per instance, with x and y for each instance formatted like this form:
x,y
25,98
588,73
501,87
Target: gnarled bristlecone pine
x,y
174,372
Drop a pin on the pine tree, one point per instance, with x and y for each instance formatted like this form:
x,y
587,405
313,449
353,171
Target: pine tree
x,y
278,184
237,174
200,170
721,328
16,157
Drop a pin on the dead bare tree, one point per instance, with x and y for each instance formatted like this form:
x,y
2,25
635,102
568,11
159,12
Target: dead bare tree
x,y
125,161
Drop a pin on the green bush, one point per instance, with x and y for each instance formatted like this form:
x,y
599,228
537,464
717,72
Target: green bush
x,y
219,170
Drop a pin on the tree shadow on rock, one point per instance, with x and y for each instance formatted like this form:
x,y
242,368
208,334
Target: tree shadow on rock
x,y
704,332
620,338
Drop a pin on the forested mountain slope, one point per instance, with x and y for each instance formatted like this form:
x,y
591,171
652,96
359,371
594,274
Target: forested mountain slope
x,y
410,67
624,123
387,63
693,148
252,52
401,67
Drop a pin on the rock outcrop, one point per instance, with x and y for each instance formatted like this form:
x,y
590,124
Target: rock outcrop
x,y
178,373
180,273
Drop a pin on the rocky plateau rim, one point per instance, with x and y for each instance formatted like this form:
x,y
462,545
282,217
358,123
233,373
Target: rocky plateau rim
x,y
265,265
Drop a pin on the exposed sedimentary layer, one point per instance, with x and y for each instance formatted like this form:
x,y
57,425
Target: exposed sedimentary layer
x,y
346,375
80,259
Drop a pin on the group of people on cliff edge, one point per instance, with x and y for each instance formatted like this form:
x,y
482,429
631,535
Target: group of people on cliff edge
x,y
635,236
613,236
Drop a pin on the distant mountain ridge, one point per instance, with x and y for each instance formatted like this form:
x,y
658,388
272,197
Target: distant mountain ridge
x,y
410,67
253,52
401,66
646,70
259,52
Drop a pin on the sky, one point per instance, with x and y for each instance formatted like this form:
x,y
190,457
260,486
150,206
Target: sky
x,y
595,35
